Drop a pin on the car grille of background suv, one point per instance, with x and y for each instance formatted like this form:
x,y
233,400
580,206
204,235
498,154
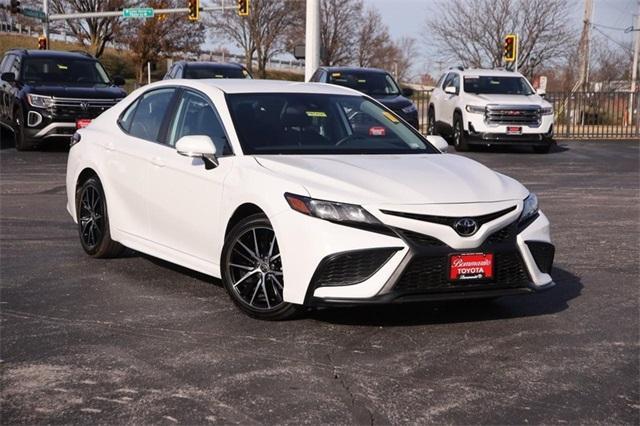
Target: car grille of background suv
x,y
350,267
521,115
84,108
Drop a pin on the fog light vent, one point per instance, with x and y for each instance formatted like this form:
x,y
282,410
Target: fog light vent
x,y
33,119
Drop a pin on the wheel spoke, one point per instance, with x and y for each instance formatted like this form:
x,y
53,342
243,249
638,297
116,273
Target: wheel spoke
x,y
235,265
255,242
275,289
273,240
254,255
275,257
277,281
242,255
264,290
255,291
247,275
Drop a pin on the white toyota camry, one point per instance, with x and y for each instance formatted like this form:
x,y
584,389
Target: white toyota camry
x,y
300,195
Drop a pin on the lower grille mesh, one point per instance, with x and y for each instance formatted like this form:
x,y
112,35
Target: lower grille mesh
x,y
350,267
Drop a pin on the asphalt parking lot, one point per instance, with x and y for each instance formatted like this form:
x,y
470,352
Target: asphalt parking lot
x,y
138,340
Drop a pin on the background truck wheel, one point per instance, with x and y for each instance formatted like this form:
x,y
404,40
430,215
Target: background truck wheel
x,y
459,139
431,122
23,143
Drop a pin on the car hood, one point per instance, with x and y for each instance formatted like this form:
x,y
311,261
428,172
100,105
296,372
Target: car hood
x,y
395,179
506,99
394,102
98,91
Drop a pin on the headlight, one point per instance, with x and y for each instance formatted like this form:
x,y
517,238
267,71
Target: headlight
x,y
546,111
475,109
40,101
530,207
409,109
330,210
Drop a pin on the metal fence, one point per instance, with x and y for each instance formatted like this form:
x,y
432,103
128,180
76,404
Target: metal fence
x,y
578,115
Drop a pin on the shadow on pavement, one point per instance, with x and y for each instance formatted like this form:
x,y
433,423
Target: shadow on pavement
x,y
554,300
507,149
50,145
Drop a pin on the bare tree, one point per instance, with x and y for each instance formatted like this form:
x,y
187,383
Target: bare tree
x,y
96,32
339,21
151,39
262,33
373,43
472,32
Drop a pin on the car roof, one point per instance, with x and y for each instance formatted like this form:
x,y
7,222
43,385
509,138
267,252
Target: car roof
x,y
487,72
53,54
355,69
233,86
214,64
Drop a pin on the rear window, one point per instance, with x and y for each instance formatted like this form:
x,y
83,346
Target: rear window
x,y
209,71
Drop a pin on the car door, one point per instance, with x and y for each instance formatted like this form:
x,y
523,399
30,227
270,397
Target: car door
x,y
184,197
448,103
128,155
4,89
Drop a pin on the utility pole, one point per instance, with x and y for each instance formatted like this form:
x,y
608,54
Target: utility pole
x,y
45,23
584,48
634,66
312,39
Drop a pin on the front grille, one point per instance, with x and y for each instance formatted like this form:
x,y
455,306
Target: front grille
x,y
521,115
450,220
543,254
502,235
430,273
350,267
79,102
420,239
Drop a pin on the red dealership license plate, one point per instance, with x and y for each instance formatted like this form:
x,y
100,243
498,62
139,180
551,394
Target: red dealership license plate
x,y
514,130
470,266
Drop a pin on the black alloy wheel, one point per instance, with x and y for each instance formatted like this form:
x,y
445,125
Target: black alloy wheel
x,y
252,270
93,221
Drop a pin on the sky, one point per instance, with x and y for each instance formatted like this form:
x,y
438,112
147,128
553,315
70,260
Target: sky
x,y
407,18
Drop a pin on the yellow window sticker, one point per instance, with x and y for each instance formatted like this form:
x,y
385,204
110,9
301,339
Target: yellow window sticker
x,y
62,67
316,114
390,117
335,74
362,81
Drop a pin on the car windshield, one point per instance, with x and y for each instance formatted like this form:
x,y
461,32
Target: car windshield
x,y
212,71
63,70
497,85
303,123
371,83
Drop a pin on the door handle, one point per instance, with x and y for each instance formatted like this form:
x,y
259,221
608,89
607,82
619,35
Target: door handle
x,y
157,161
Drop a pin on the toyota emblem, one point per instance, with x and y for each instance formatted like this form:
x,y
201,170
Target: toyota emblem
x,y
465,226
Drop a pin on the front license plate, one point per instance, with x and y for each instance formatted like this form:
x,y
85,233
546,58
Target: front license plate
x,y
470,266
514,130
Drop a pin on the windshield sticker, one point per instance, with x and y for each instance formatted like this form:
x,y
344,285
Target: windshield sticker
x,y
219,76
471,77
335,74
62,67
316,114
390,117
362,81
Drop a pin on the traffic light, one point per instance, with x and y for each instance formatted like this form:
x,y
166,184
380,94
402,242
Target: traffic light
x,y
42,43
243,7
510,47
15,6
194,9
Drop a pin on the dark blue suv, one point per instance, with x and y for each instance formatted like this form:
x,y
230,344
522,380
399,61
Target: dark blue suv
x,y
44,93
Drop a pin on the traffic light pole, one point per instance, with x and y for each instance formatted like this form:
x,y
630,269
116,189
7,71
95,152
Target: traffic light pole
x,y
60,16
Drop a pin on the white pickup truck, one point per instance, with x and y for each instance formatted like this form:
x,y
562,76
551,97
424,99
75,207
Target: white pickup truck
x,y
490,107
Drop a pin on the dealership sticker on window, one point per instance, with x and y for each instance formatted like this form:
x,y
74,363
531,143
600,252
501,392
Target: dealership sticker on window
x,y
335,74
219,76
362,81
316,114
471,77
390,117
62,67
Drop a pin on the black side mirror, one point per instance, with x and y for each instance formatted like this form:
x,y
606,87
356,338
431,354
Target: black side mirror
x,y
118,81
9,77
407,92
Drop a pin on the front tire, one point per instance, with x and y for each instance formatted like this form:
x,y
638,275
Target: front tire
x,y
93,221
23,143
459,138
431,122
252,270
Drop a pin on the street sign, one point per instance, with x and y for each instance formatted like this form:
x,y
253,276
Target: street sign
x,y
33,13
141,12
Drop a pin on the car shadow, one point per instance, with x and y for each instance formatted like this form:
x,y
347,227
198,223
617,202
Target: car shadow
x,y
7,141
554,300
556,148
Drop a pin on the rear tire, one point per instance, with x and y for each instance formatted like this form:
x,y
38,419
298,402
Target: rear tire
x,y
431,122
251,270
459,138
93,221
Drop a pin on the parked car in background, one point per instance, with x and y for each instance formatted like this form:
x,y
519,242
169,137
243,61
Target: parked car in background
x,y
374,82
489,107
45,93
200,70
268,185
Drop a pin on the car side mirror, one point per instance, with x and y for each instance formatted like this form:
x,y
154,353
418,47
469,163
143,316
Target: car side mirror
x,y
118,80
541,92
450,90
9,77
438,142
407,92
198,146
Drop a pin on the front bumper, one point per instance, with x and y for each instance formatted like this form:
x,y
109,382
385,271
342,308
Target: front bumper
x,y
411,265
478,131
46,123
